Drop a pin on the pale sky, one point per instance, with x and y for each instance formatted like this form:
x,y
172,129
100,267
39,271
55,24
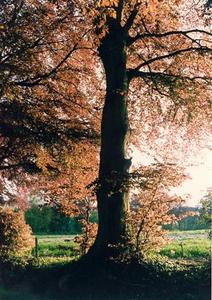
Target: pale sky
x,y
201,178
200,171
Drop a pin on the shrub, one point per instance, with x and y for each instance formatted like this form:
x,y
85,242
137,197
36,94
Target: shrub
x,y
152,207
15,235
89,229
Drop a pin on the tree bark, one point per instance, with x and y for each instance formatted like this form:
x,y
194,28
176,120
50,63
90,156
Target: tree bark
x,y
112,193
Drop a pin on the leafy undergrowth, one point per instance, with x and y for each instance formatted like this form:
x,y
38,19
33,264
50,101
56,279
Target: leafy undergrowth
x,y
58,274
159,278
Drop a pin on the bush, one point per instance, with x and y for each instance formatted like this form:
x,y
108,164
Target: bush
x,y
15,235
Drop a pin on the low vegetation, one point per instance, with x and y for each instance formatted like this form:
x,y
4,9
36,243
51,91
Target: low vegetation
x,y
58,255
15,235
51,265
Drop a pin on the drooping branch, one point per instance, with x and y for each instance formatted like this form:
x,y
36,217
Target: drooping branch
x,y
184,33
169,55
25,47
133,73
44,133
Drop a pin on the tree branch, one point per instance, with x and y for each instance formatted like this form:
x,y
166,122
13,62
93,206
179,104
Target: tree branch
x,y
119,10
132,17
133,73
170,55
30,82
131,40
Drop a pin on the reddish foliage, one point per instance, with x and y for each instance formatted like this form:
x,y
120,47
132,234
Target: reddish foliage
x,y
15,235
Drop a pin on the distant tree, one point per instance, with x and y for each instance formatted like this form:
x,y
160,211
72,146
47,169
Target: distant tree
x,y
39,219
190,221
206,209
49,220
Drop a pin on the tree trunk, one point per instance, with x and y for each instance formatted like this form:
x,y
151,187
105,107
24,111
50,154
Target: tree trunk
x,y
112,194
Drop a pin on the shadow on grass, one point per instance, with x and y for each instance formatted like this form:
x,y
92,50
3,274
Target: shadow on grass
x,y
106,281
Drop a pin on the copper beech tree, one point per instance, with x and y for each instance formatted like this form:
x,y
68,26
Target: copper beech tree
x,y
46,126
146,45
143,64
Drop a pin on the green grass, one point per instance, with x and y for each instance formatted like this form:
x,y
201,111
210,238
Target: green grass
x,y
54,237
194,232
160,280
57,249
56,246
187,248
184,245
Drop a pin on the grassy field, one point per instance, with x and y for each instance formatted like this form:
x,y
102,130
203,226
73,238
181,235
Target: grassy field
x,y
53,237
56,246
187,249
183,245
188,245
188,234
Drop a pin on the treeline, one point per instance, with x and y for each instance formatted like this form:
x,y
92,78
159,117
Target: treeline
x,y
48,220
190,222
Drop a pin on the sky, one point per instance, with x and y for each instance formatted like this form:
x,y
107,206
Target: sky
x,y
201,178
200,173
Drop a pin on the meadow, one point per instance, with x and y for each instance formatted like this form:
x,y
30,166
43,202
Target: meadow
x,y
56,246
182,245
188,245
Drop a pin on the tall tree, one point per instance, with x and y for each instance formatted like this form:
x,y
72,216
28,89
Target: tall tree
x,y
137,41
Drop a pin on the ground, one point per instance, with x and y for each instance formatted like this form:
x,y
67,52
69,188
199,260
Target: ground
x,y
179,272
